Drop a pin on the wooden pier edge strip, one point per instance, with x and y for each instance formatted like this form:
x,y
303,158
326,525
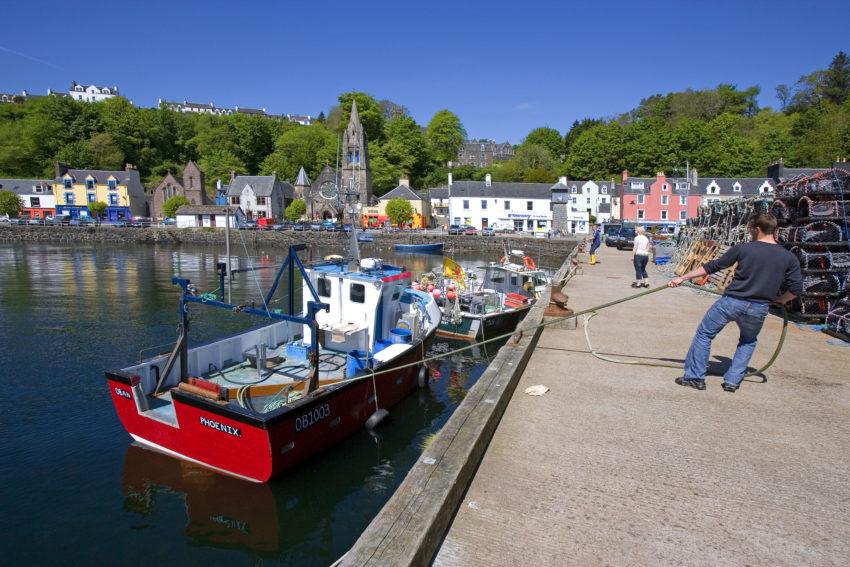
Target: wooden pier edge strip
x,y
410,527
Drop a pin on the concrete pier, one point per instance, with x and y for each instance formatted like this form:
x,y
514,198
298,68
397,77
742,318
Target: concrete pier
x,y
617,465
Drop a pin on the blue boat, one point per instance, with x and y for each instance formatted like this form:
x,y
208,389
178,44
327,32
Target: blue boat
x,y
365,237
436,248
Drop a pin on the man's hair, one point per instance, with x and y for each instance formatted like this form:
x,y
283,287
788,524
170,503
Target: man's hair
x,y
765,222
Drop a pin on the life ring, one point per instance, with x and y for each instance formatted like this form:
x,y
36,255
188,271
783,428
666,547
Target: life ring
x,y
503,260
529,263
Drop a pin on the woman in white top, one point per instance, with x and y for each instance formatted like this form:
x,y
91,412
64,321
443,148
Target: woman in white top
x,y
640,257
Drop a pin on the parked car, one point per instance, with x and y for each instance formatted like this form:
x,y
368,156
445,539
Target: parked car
x,y
470,230
611,234
119,224
140,222
315,226
248,225
455,229
60,220
346,227
488,231
169,222
4,219
626,237
299,226
82,221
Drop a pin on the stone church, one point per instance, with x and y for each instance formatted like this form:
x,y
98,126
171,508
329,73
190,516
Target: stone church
x,y
325,196
190,184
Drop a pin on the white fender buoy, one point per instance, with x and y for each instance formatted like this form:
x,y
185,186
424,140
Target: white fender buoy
x,y
376,418
423,376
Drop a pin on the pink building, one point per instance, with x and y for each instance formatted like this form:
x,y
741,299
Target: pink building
x,y
658,199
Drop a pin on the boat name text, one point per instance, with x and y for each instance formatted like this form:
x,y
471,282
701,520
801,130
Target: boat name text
x,y
312,417
221,427
123,393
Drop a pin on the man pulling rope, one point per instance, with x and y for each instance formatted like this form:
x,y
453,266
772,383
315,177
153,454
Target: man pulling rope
x,y
765,273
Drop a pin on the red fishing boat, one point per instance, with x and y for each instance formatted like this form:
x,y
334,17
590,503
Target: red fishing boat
x,y
258,403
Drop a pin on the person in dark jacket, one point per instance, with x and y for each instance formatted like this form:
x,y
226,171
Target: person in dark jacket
x,y
597,241
766,273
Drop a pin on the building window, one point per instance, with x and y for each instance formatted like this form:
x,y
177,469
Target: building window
x,y
324,287
573,189
466,204
261,200
664,187
588,200
483,204
457,220
234,200
35,202
69,198
112,184
89,183
90,197
683,215
665,199
69,183
530,224
575,200
637,185
641,199
604,190
683,200
358,293
507,205
603,200
113,199
641,214
663,215
529,205
736,187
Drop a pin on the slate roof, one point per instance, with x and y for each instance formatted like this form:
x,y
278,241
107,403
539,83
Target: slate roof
x,y
579,183
123,176
502,189
205,210
438,193
749,185
25,186
402,192
250,110
303,180
262,185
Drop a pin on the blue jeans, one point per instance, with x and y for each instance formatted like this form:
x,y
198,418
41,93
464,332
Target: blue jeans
x,y
640,266
749,316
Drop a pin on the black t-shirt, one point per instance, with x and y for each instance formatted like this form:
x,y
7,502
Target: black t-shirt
x,y
764,271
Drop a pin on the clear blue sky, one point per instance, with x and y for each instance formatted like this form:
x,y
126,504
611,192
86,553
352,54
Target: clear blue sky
x,y
503,67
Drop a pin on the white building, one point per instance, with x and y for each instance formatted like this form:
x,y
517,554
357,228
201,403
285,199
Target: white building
x,y
587,196
209,216
523,206
260,196
91,93
716,189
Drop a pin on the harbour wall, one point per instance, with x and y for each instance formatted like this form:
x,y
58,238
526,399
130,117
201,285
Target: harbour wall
x,y
282,239
409,528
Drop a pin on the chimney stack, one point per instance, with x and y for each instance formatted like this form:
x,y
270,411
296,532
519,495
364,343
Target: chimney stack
x,y
450,179
562,180
625,175
488,180
403,180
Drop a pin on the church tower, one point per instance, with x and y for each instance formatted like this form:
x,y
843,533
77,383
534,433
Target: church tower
x,y
355,156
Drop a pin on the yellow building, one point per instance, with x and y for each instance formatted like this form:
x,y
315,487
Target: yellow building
x,y
121,190
376,216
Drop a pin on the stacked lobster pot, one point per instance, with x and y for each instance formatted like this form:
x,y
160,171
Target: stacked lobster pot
x,y
813,212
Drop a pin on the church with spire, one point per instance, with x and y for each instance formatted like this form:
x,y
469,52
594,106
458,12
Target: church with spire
x,y
325,196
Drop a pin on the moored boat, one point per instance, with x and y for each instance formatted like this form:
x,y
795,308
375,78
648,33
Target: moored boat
x,y
435,248
475,311
258,403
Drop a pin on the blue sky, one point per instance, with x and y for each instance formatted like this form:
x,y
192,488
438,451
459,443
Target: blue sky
x,y
503,67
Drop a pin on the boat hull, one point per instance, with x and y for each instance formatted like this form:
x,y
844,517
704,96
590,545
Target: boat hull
x,y
482,327
420,248
258,447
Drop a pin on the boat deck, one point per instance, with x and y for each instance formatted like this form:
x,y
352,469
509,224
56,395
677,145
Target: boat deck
x,y
280,370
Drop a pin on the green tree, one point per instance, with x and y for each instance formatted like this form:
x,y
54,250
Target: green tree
x,y
312,147
170,206
10,204
400,211
296,210
97,209
836,84
77,154
445,136
218,164
534,156
403,153
370,111
549,138
105,152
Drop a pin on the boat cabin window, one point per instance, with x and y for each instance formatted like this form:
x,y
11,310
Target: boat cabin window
x,y
324,287
358,293
497,277
513,279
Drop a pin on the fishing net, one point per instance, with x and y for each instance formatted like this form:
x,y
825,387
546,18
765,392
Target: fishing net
x,y
815,306
830,284
781,211
813,232
838,318
809,208
823,260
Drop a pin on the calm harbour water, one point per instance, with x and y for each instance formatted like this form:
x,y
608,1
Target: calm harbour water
x,y
74,488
